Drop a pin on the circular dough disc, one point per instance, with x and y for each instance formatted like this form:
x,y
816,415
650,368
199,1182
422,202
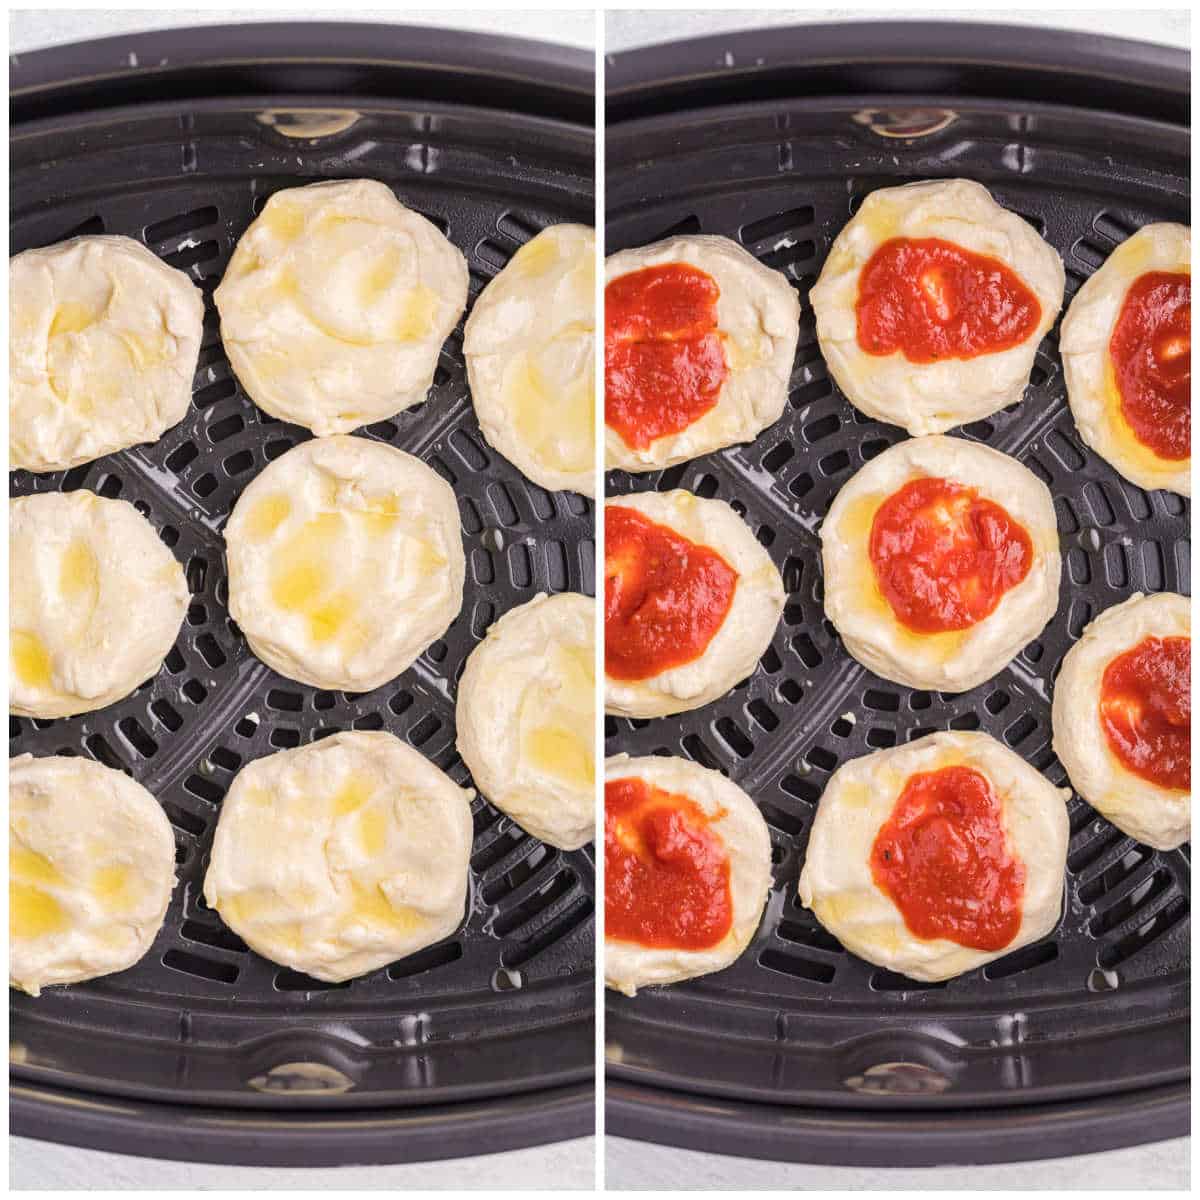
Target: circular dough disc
x,y
340,857
758,317
956,660
526,717
336,303
1087,330
103,341
932,397
1159,817
95,602
91,865
345,562
837,882
747,629
735,819
530,350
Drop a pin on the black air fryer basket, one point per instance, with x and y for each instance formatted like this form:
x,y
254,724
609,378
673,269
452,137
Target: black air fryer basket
x,y
203,1050
800,1050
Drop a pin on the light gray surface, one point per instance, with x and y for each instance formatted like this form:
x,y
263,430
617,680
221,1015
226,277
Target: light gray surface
x,y
640,1165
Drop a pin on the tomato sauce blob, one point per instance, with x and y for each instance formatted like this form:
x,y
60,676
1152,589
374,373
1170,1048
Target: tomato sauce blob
x,y
943,859
1146,710
943,556
665,596
664,362
666,874
932,300
1151,352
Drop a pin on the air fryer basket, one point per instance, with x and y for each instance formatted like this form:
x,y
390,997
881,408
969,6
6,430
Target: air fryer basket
x,y
800,1050
204,1050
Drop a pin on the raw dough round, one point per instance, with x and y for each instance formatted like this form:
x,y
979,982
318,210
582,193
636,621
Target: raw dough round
x,y
955,660
736,820
340,857
526,717
95,602
530,350
758,317
103,341
336,303
1160,817
91,865
345,562
744,634
932,397
837,882
1087,330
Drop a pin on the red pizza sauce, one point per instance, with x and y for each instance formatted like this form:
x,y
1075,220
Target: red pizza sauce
x,y
664,596
931,300
943,859
666,874
664,363
1151,352
1146,710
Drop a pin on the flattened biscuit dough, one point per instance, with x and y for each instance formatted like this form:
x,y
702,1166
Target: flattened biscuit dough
x,y
103,342
837,881
336,303
345,562
342,856
956,660
736,820
932,397
95,602
91,865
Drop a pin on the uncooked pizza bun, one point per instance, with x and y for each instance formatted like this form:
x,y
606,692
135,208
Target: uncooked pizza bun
x,y
336,303
529,345
526,717
95,602
103,339
941,562
1127,354
691,602
932,304
340,857
687,869
91,865
1123,717
699,340
345,562
936,857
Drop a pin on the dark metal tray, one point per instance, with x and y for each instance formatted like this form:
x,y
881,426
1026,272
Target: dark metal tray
x,y
800,1050
484,1041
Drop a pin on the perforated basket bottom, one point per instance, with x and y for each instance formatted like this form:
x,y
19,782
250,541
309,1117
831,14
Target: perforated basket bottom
x,y
797,1019
505,1004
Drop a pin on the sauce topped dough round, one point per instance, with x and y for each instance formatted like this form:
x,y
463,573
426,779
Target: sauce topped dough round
x,y
95,602
699,343
687,861
1127,357
345,562
932,304
941,561
526,716
103,342
530,350
938,856
91,866
1122,717
335,305
691,602
342,856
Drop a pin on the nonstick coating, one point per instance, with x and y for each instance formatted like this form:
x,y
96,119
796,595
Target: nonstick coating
x,y
799,1049
499,1015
